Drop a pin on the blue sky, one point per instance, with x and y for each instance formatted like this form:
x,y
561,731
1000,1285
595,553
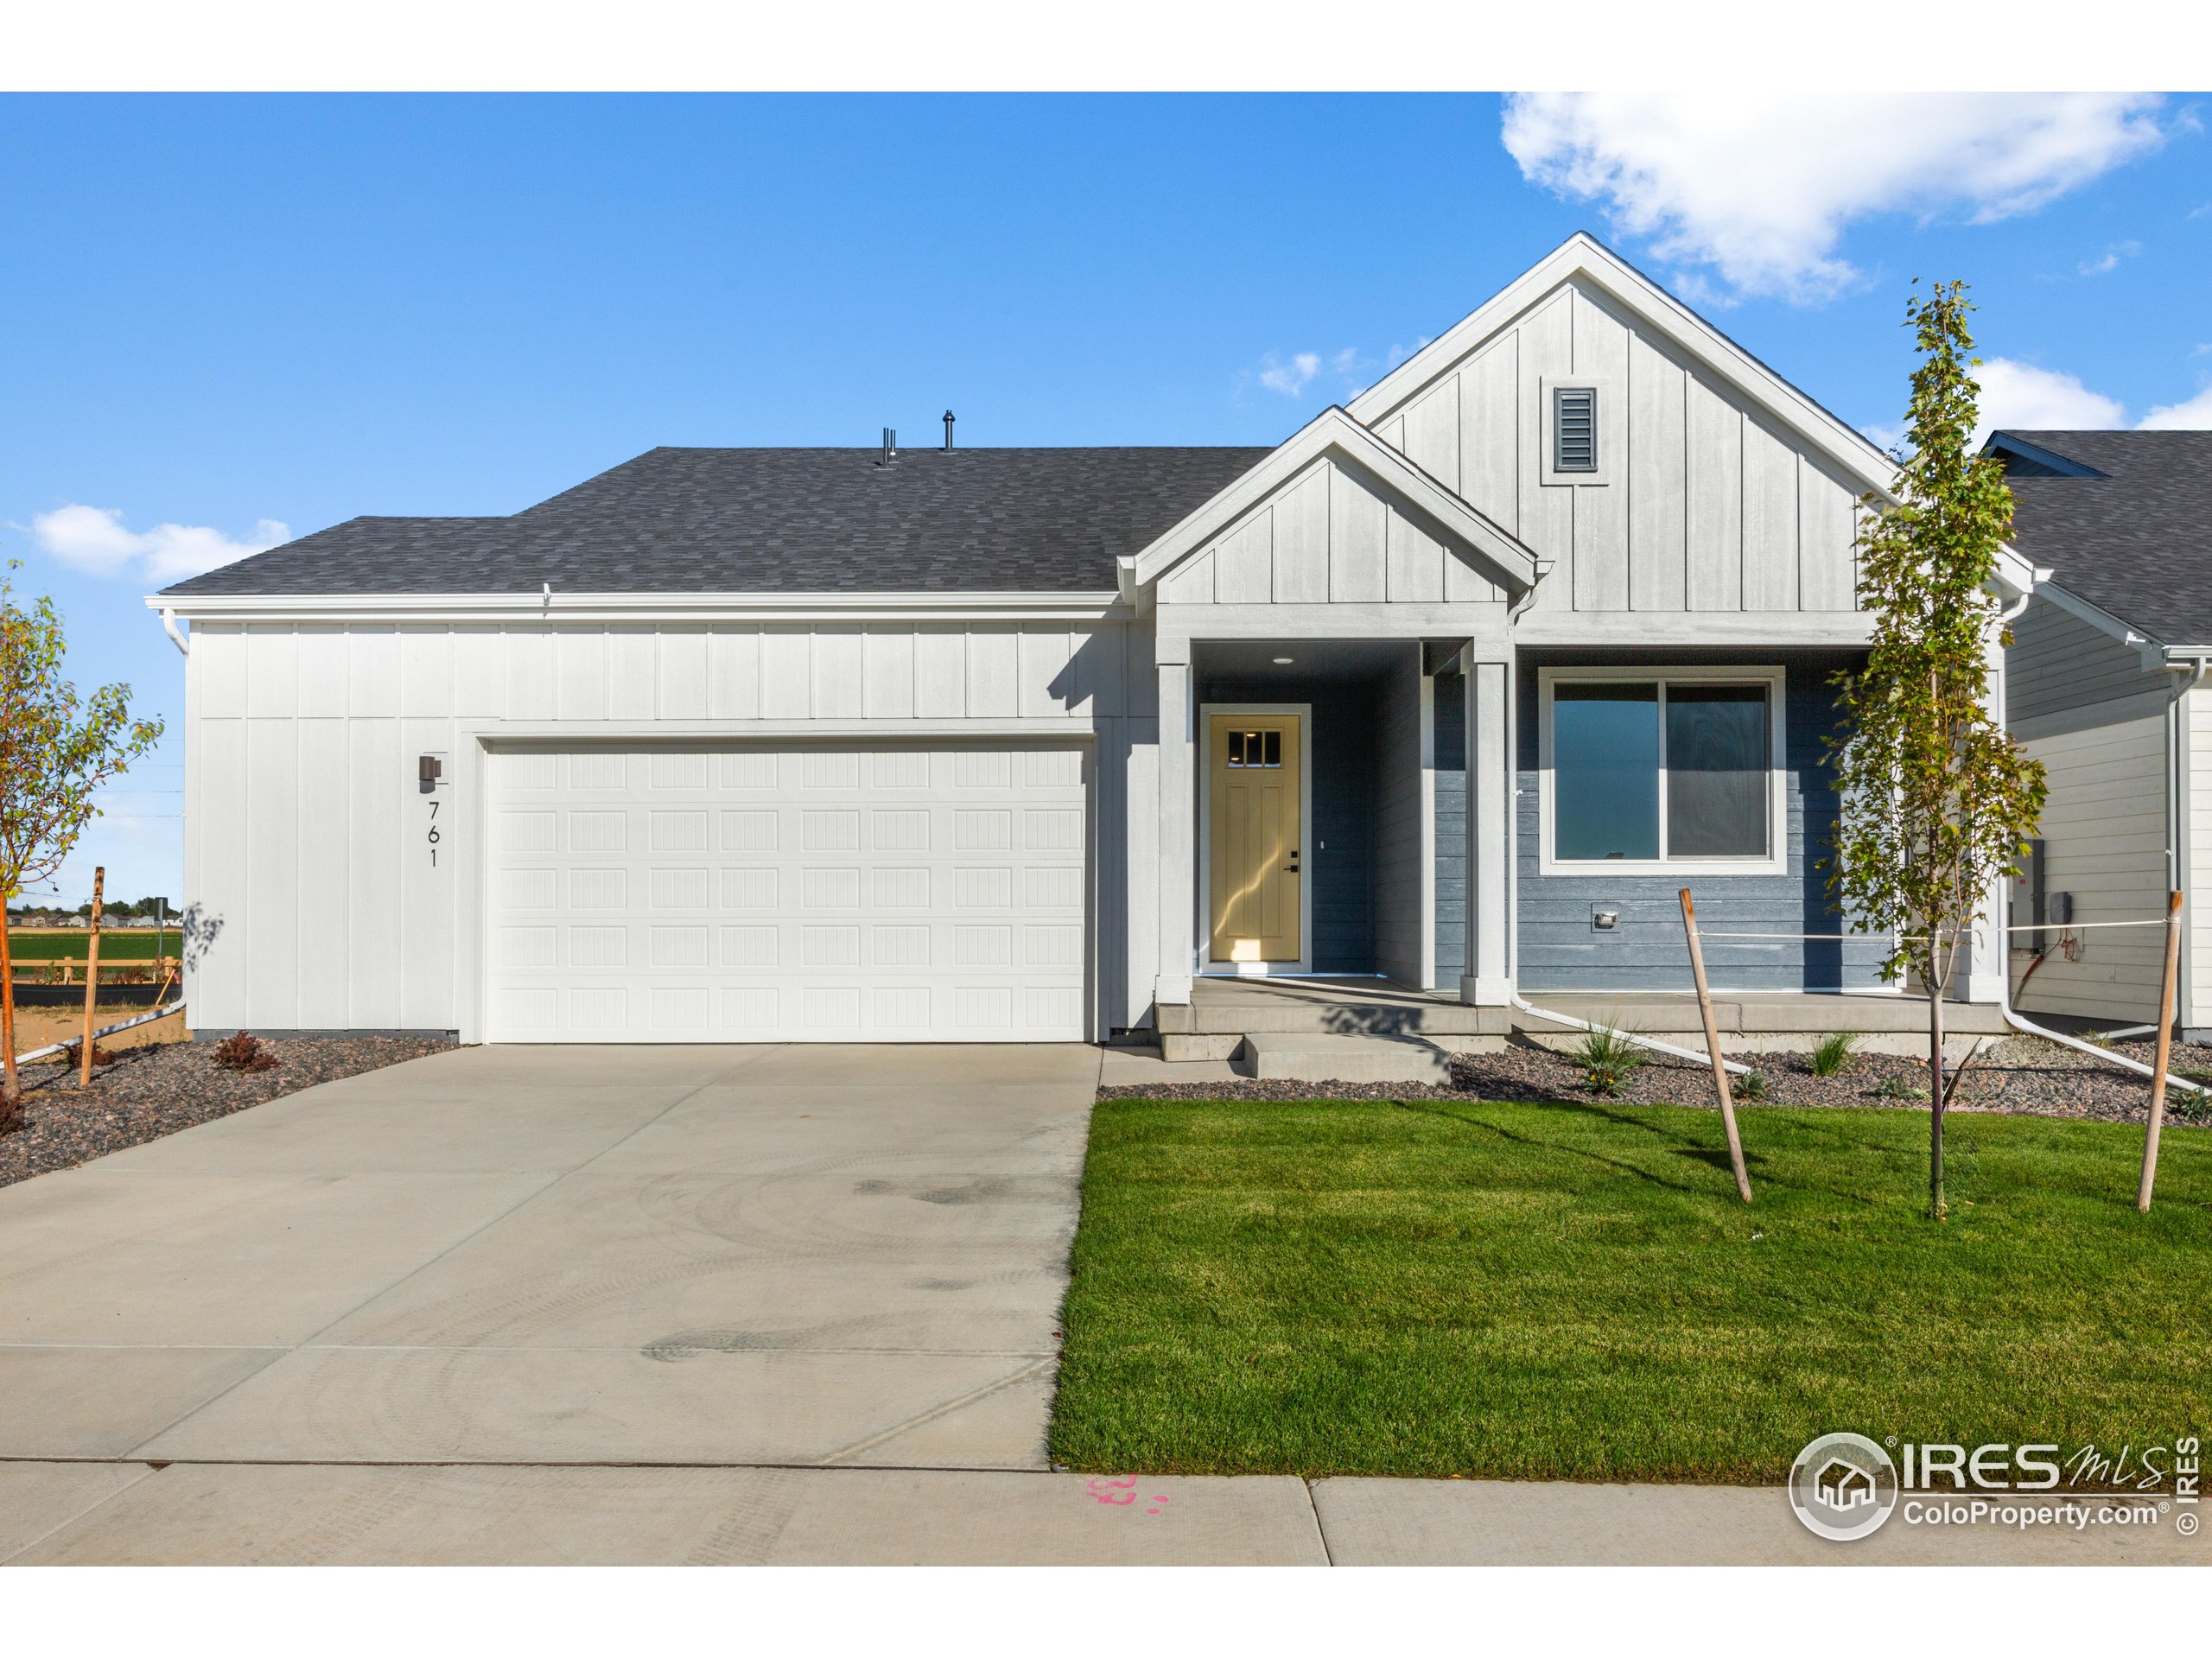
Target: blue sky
x,y
223,314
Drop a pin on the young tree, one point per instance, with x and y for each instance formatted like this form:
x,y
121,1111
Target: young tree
x,y
1938,800
54,753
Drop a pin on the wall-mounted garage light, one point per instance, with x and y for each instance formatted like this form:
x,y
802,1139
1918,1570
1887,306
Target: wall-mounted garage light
x,y
428,770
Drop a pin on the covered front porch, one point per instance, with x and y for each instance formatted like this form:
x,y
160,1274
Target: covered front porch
x,y
1222,1013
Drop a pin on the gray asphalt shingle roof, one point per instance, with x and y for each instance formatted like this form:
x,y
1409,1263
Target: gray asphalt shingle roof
x,y
2136,543
777,521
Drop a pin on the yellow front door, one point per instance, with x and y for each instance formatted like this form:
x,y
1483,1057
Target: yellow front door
x,y
1256,765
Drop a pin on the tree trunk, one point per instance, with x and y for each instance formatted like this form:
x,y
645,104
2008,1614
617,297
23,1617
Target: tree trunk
x,y
1934,1094
11,1086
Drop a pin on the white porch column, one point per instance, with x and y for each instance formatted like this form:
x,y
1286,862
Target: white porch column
x,y
1178,816
1982,974
1487,980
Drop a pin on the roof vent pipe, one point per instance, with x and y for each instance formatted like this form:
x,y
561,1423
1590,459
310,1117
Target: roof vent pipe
x,y
948,431
890,447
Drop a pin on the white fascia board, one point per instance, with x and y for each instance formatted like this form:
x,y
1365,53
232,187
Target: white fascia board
x,y
639,608
1334,429
1582,257
2096,615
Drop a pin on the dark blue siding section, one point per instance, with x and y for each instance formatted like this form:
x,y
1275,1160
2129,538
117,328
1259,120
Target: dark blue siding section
x,y
1559,949
1340,842
1450,706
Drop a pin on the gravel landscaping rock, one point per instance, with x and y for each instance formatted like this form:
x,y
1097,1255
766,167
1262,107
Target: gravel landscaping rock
x,y
2021,1074
150,1092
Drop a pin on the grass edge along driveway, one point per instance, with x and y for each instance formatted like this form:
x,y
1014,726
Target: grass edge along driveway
x,y
1573,1292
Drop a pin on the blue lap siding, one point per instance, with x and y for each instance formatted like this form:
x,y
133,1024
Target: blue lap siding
x,y
1559,949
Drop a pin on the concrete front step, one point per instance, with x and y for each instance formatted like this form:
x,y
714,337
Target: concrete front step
x,y
1307,1058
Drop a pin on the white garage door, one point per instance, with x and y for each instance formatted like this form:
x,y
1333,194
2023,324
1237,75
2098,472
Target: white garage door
x,y
817,894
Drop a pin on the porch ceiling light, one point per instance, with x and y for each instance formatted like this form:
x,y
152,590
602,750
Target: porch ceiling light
x,y
1285,661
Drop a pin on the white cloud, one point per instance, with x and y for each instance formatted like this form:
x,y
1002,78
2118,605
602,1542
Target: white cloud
x,y
2110,259
2023,396
1289,378
96,541
2193,415
1760,189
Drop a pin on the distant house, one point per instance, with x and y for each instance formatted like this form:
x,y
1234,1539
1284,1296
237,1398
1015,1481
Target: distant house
x,y
2107,685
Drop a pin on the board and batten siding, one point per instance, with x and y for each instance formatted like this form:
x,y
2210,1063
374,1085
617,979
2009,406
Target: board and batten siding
x,y
2063,674
1404,829
1704,507
1330,535
1562,950
315,901
2104,835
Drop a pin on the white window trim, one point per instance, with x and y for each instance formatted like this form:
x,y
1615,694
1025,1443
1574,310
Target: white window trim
x,y
1205,964
1773,675
1611,430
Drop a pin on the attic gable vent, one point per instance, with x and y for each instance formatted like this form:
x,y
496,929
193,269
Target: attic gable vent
x,y
1574,428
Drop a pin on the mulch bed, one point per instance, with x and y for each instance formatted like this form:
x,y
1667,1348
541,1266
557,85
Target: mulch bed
x,y
150,1092
2021,1074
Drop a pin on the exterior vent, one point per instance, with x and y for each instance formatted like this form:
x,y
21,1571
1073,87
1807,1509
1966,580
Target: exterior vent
x,y
1574,428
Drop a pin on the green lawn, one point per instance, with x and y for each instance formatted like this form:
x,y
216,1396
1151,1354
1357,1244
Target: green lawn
x,y
133,945
1573,1291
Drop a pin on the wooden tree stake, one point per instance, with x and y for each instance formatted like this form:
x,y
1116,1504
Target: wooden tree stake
x,y
1713,1049
91,978
2167,1013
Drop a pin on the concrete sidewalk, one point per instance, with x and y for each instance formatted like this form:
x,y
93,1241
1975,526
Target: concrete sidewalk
x,y
132,1514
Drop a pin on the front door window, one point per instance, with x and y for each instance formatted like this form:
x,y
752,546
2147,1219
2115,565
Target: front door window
x,y
1253,884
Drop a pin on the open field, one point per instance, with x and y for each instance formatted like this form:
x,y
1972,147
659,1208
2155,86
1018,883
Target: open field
x,y
132,944
1440,1288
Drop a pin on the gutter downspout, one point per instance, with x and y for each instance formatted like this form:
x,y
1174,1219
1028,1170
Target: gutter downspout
x,y
169,626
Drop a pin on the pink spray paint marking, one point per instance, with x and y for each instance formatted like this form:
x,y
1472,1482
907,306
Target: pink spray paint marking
x,y
1118,1490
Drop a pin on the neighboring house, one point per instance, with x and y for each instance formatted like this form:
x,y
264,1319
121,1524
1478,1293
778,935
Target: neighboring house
x,y
1456,687
2106,685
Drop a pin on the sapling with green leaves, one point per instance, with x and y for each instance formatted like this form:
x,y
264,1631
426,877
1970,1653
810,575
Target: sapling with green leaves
x,y
1937,799
56,754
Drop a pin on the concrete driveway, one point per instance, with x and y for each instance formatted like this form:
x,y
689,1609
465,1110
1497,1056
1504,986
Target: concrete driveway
x,y
772,1255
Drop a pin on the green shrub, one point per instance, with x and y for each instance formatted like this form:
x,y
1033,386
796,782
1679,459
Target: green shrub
x,y
1606,1056
1750,1086
1834,1051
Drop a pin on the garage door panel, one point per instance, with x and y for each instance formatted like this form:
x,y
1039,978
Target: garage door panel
x,y
804,893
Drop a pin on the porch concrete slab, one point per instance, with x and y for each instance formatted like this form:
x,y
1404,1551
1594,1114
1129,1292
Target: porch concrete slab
x,y
40,1499
1542,1523
540,1405
1125,1068
1311,1058
268,1260
100,1402
321,1515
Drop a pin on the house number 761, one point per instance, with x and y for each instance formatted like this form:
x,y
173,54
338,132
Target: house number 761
x,y
433,836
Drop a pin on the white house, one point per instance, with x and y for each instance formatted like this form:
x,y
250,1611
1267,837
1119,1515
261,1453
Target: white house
x,y
2106,686
1435,704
